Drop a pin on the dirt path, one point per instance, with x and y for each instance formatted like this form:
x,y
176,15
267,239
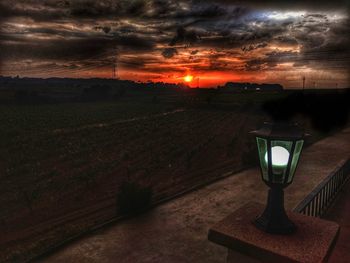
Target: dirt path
x,y
177,231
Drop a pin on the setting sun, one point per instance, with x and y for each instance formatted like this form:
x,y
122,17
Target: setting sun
x,y
188,78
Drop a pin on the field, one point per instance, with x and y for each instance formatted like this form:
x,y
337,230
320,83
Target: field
x,y
63,163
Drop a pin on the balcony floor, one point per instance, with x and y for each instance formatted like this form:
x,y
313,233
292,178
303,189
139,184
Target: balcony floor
x,y
176,231
340,213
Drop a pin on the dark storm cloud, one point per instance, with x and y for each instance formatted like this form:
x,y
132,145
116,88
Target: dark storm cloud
x,y
203,10
287,4
319,51
56,49
169,52
36,10
247,32
49,32
285,40
68,49
52,10
250,39
320,48
55,9
326,46
63,9
330,55
134,42
271,60
185,36
108,8
105,29
253,47
68,30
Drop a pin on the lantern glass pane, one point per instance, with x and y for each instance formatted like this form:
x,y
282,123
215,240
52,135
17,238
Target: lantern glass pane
x,y
262,149
280,156
296,155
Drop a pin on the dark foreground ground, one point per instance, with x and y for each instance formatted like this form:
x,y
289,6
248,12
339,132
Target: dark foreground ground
x,y
64,160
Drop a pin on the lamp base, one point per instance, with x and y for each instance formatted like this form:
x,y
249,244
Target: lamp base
x,y
274,219
283,228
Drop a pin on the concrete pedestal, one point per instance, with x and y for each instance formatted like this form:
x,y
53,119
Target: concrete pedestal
x,y
312,242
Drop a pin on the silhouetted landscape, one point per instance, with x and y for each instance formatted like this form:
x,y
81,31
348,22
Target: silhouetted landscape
x,y
82,151
110,110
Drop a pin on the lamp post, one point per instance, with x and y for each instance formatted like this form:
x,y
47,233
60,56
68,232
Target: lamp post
x,y
279,149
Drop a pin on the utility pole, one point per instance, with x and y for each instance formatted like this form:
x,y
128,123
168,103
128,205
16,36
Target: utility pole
x,y
113,70
115,65
304,82
198,82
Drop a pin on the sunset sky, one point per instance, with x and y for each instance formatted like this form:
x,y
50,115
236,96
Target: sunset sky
x,y
166,40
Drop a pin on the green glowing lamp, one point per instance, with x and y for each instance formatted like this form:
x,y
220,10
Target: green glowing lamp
x,y
279,149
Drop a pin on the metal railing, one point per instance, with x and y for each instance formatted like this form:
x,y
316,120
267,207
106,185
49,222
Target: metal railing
x,y
319,200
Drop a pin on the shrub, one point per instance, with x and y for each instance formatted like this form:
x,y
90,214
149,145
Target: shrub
x,y
249,154
133,198
232,147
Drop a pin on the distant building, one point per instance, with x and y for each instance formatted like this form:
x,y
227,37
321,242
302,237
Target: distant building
x,y
239,86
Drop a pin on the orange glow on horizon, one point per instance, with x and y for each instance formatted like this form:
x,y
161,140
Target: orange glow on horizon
x,y
188,78
202,79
